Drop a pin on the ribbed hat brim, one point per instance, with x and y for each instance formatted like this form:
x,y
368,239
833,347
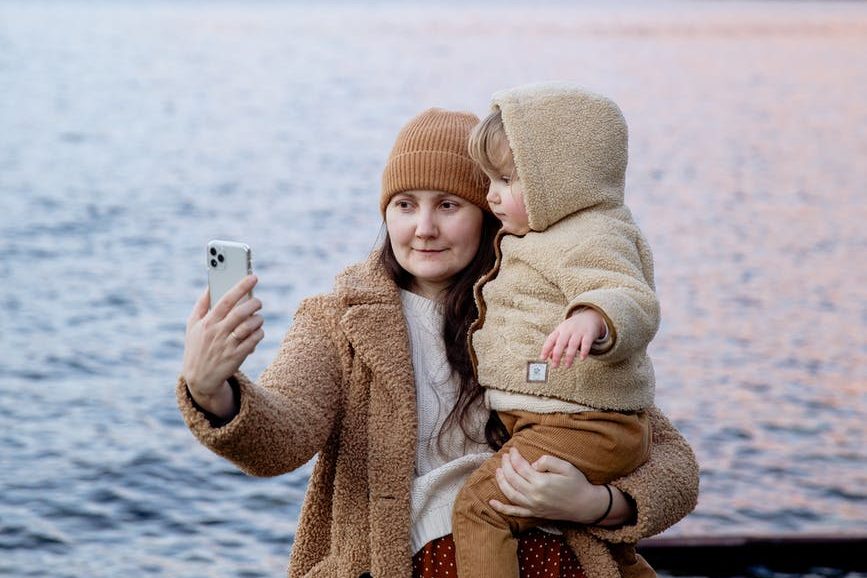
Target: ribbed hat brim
x,y
434,171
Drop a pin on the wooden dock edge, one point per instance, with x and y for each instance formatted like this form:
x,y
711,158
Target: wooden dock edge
x,y
730,555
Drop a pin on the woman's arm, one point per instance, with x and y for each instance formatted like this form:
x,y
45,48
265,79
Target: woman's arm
x,y
288,416
644,503
664,489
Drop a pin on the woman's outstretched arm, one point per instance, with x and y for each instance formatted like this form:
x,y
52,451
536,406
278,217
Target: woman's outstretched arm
x,y
289,415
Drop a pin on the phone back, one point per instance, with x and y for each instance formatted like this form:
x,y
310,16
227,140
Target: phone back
x,y
228,262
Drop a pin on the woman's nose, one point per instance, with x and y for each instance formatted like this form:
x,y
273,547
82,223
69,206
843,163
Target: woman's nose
x,y
426,224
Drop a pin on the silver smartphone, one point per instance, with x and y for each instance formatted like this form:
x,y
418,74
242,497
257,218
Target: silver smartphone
x,y
228,263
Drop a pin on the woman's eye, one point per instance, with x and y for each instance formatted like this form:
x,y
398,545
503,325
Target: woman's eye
x,y
402,204
449,204
506,179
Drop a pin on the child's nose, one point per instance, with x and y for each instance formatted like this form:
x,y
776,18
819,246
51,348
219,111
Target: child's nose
x,y
492,196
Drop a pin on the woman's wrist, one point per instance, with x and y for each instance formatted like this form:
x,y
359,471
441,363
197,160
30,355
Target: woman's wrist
x,y
622,510
601,517
222,405
607,507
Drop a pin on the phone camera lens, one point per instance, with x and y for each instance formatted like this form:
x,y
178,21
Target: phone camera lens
x,y
213,262
220,258
213,251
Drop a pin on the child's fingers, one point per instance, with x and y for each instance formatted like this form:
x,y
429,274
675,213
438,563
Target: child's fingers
x,y
572,350
548,346
586,344
562,342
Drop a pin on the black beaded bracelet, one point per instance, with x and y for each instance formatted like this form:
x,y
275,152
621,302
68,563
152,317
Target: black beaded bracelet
x,y
607,510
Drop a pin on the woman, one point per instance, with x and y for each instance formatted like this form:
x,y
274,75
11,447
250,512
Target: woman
x,y
375,377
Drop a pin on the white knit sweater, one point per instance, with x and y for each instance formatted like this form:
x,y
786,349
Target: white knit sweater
x,y
440,468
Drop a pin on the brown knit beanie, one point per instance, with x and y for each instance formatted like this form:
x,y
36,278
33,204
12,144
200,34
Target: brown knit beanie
x,y
431,154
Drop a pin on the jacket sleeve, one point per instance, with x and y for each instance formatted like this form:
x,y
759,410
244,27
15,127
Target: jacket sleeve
x,y
664,489
613,273
287,416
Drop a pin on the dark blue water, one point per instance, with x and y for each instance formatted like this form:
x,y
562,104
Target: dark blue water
x,y
131,133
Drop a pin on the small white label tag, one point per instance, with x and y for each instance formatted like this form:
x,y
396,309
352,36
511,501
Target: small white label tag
x,y
537,371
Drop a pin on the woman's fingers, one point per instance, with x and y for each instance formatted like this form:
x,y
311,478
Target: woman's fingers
x,y
200,309
516,478
513,471
241,313
248,345
217,342
246,328
506,484
553,465
233,296
522,466
510,509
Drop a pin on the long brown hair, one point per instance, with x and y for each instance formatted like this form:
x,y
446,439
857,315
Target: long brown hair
x,y
459,311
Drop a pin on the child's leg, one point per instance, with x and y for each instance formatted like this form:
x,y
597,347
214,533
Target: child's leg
x,y
603,445
485,543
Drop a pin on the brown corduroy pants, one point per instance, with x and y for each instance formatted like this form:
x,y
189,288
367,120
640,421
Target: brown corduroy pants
x,y
603,445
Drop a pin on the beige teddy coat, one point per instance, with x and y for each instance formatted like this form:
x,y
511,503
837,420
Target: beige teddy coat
x,y
583,250
342,387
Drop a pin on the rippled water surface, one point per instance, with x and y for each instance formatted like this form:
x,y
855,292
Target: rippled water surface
x,y
131,133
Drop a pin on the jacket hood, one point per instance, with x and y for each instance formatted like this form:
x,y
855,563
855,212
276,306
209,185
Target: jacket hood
x,y
569,146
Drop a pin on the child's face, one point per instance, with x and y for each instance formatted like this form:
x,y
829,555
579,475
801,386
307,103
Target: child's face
x,y
506,197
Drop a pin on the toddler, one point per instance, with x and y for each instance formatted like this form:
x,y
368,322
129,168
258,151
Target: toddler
x,y
573,278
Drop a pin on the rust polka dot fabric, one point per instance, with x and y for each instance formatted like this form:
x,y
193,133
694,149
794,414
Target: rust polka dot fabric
x,y
541,555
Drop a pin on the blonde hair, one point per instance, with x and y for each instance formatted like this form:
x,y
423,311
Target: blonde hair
x,y
489,145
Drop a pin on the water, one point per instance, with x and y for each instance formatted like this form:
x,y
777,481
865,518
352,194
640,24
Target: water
x,y
131,133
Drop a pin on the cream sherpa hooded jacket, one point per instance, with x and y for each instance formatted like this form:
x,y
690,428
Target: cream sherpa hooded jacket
x,y
583,250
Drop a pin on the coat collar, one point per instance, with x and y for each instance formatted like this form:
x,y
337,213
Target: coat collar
x,y
366,283
373,322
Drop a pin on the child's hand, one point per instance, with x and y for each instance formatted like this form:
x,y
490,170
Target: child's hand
x,y
573,336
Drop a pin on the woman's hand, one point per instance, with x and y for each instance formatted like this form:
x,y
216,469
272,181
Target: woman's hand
x,y
216,344
554,489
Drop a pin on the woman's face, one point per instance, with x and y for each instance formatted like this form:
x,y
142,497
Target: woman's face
x,y
434,235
